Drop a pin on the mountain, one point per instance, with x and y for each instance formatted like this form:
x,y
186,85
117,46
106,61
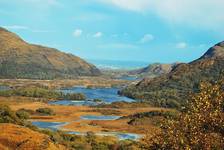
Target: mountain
x,y
173,89
216,51
153,70
19,59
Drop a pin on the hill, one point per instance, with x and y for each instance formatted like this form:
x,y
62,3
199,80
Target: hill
x,y
21,138
153,70
173,89
19,59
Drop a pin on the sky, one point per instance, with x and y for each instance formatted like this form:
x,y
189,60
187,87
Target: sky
x,y
162,31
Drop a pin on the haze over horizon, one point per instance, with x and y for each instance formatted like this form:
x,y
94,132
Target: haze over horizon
x,y
125,30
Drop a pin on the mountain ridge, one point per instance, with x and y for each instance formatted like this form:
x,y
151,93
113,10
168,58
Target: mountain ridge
x,y
173,89
215,51
19,59
153,70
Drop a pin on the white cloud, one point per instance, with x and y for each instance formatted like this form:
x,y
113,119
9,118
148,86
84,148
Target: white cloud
x,y
77,33
197,13
181,45
16,27
147,38
98,35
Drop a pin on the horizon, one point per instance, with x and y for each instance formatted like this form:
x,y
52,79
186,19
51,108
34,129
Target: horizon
x,y
137,31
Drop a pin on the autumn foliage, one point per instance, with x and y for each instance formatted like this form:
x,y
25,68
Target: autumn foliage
x,y
199,126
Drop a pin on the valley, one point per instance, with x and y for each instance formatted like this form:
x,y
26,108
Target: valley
x,y
68,103
71,114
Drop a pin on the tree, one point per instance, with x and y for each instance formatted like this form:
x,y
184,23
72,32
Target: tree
x,y
200,125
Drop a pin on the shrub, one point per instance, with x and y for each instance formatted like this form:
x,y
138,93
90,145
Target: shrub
x,y
38,92
45,111
173,104
90,136
29,111
55,136
8,116
97,100
161,113
74,96
128,145
22,114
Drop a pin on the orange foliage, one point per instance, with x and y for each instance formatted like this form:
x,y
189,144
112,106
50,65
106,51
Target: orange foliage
x,y
200,126
21,138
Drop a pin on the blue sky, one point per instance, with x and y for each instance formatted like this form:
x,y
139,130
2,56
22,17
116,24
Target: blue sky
x,y
136,30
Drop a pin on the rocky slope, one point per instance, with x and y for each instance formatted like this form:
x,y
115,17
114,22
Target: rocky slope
x,y
173,89
19,59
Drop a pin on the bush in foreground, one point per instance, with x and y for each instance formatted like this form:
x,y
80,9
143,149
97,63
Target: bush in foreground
x,y
200,126
8,116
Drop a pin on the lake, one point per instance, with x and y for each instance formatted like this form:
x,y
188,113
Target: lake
x,y
129,78
58,125
107,95
4,88
92,117
49,125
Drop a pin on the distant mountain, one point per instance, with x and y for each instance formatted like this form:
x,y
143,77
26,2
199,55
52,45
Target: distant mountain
x,y
153,70
19,59
173,89
118,64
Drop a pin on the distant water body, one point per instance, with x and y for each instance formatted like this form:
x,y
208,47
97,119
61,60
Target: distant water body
x,y
117,64
92,117
107,95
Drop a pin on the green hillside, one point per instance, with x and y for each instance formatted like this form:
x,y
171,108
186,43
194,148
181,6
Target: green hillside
x,y
173,89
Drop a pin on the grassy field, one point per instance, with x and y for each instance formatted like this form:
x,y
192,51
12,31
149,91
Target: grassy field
x,y
56,84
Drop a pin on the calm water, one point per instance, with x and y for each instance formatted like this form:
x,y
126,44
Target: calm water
x,y
120,136
129,78
49,125
58,125
107,95
75,103
4,88
92,117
